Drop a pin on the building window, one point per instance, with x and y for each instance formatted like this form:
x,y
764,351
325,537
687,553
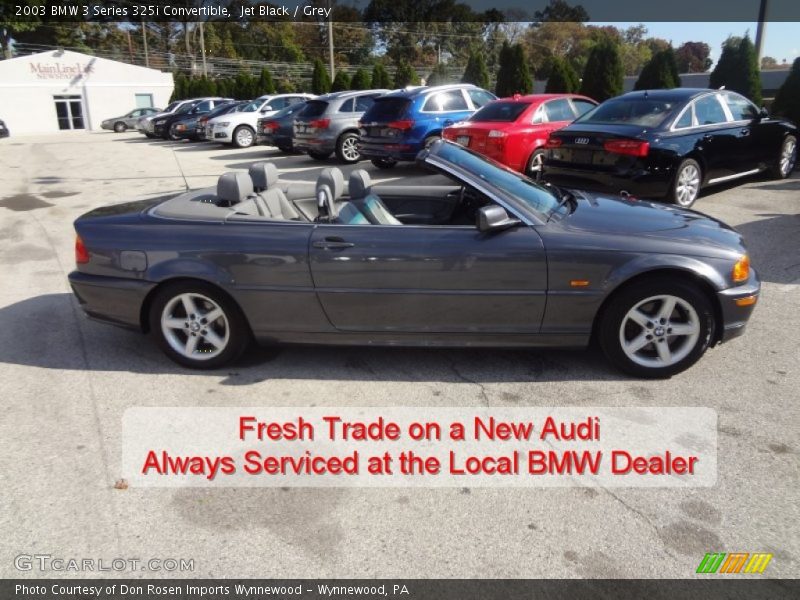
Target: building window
x,y
69,111
144,100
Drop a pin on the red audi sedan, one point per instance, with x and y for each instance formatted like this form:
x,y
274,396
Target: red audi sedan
x,y
513,130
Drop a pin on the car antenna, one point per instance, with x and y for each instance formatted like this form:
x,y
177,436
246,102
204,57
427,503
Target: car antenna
x,y
180,169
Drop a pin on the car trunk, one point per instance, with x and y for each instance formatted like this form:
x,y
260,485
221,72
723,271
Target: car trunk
x,y
310,120
485,137
596,147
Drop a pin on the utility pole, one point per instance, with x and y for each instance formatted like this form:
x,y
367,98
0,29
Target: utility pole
x,y
761,30
144,37
330,40
203,50
130,45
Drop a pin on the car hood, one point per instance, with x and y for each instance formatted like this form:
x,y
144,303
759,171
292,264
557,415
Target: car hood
x,y
615,215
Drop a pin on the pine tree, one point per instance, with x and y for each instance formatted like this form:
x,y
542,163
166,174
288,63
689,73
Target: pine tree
x,y
660,72
380,78
341,82
286,86
503,86
604,74
476,71
265,83
737,68
361,80
180,90
521,78
563,78
438,76
787,101
405,75
320,80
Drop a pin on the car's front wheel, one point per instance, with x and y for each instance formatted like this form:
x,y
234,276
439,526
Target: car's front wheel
x,y
243,137
656,328
686,185
119,127
197,326
787,158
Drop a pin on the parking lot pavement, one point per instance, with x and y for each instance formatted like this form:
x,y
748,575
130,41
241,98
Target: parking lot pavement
x,y
65,382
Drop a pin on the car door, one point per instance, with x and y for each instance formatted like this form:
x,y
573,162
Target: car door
x,y
719,140
763,134
429,279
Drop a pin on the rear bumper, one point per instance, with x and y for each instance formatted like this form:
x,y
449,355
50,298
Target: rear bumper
x,y
737,305
111,299
640,182
396,150
315,144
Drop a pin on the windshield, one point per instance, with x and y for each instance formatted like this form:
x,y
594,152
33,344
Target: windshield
x,y
313,108
631,111
289,110
186,108
251,106
171,106
512,183
500,112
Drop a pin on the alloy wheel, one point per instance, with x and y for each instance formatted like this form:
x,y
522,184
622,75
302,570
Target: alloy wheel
x,y
659,331
688,185
195,326
350,149
788,156
535,165
244,137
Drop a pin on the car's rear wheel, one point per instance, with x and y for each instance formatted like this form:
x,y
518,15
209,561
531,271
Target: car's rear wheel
x,y
384,163
119,127
686,185
787,159
243,137
318,155
150,135
535,165
197,326
656,328
347,148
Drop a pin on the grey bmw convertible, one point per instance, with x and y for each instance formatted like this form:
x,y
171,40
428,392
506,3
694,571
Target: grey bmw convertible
x,y
491,259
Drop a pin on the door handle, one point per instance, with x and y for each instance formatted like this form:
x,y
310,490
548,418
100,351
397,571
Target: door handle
x,y
707,138
332,243
744,132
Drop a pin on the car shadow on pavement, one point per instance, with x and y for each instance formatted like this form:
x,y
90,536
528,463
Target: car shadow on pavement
x,y
773,243
51,332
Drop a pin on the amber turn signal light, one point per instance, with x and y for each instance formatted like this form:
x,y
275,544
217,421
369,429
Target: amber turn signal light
x,y
741,270
579,282
746,301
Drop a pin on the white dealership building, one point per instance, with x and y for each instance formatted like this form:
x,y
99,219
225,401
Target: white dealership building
x,y
61,90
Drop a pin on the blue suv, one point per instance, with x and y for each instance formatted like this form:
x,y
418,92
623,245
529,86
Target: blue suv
x,y
403,122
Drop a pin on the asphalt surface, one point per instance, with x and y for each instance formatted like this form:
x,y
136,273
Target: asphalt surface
x,y
65,382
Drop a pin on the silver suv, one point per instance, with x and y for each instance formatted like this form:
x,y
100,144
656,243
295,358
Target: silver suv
x,y
329,124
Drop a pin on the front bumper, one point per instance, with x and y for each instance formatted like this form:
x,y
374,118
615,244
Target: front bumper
x,y
219,134
736,305
111,299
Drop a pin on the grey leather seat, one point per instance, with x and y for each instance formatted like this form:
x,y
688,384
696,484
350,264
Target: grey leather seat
x,y
235,189
360,190
330,187
271,200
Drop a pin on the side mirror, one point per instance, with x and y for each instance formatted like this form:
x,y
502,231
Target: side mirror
x,y
267,108
495,218
763,113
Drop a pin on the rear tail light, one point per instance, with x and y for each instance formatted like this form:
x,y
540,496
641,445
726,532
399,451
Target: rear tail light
x,y
270,126
402,125
81,253
629,147
741,270
553,142
320,123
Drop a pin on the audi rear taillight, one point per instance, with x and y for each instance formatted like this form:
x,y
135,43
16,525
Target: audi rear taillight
x,y
320,123
629,147
270,126
81,253
553,142
402,124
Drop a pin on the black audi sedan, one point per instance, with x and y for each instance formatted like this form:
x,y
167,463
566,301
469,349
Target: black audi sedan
x,y
668,144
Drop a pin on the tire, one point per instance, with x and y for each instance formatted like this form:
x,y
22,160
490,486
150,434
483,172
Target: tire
x,y
173,137
384,163
643,309
319,155
535,164
286,149
230,330
243,136
347,148
787,158
430,139
119,127
150,135
685,187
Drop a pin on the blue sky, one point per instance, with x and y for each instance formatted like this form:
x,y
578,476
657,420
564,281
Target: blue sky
x,y
782,40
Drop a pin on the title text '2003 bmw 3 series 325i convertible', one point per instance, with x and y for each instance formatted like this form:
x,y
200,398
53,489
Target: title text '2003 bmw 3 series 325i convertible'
x,y
494,259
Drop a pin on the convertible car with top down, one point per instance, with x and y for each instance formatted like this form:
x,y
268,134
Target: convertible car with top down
x,y
491,259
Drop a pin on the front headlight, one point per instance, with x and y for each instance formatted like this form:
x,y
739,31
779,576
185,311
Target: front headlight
x,y
161,121
223,124
741,270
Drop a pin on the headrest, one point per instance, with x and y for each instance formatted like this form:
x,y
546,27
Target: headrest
x,y
234,187
332,179
360,184
264,175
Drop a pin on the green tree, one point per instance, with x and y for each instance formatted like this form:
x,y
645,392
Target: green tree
x,y
503,86
787,100
405,75
286,86
341,82
438,76
660,72
737,68
693,57
320,80
563,78
245,87
361,80
522,79
603,74
476,71
265,83
381,80
180,90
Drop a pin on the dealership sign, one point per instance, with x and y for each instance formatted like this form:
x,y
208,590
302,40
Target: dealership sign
x,y
60,70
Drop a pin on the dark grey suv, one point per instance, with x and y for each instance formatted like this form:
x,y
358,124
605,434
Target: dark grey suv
x,y
329,124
